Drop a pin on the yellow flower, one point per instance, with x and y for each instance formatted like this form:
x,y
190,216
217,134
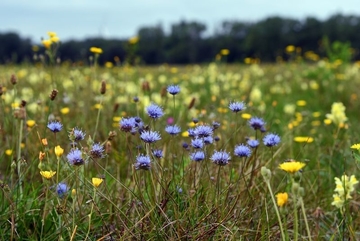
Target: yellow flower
x,y
8,152
98,106
96,181
30,123
47,174
344,186
55,39
292,166
337,114
301,103
356,146
44,141
51,34
96,50
185,134
59,151
109,64
133,40
302,139
46,43
246,116
73,192
338,201
282,199
224,52
290,48
65,110
327,121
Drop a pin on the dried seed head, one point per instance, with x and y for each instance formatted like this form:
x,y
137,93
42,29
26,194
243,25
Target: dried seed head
x,y
145,86
108,147
116,107
192,103
20,113
111,135
13,79
103,87
23,103
163,92
1,90
53,94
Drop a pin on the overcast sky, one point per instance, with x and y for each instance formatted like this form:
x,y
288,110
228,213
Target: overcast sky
x,y
78,19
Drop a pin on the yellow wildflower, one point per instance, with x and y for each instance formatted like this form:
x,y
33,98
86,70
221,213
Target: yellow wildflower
x,y
344,187
96,50
301,103
327,121
185,134
59,151
355,146
96,181
224,52
282,199
8,152
46,43
292,166
133,40
246,116
51,34
55,39
337,114
65,110
301,139
290,48
30,123
47,174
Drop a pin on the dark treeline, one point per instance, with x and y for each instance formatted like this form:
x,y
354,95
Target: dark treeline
x,y
186,42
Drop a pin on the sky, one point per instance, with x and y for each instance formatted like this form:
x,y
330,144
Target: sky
x,y
79,19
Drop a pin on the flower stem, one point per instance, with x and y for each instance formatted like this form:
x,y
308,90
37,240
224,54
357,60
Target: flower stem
x,y
98,117
304,214
18,158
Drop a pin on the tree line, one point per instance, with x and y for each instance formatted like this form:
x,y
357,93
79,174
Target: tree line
x,y
187,42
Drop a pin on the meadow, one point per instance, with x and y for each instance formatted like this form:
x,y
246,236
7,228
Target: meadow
x,y
197,152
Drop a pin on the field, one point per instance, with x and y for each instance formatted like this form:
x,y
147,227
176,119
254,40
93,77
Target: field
x,y
154,153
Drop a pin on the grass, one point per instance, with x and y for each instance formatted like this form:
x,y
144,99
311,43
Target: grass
x,y
177,198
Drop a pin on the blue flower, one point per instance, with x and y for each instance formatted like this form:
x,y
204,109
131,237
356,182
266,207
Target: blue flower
x,y
150,136
75,157
127,124
173,130
242,151
173,89
271,140
237,106
220,158
97,151
142,162
257,123
79,135
197,156
191,132
197,143
215,125
203,131
62,189
154,111
253,143
157,153
55,126
208,140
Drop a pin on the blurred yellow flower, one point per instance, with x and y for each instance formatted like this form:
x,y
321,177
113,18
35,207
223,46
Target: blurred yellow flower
x,y
301,103
47,174
96,181
316,114
292,166
255,95
224,52
65,110
247,60
46,43
51,34
344,187
117,118
59,151
355,146
35,48
337,114
109,64
282,198
8,152
44,141
96,50
327,121
302,139
30,123
98,106
185,134
73,192
246,116
55,39
133,40
290,48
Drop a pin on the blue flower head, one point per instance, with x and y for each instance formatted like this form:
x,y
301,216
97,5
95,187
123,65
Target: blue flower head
x,y
142,162
154,111
127,124
271,140
97,151
55,126
197,156
237,106
78,134
150,136
242,151
208,140
75,157
253,143
215,125
221,158
173,130
173,89
257,123
157,153
62,189
197,143
203,131
191,132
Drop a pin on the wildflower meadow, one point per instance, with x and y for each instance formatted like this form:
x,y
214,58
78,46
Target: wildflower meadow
x,y
199,152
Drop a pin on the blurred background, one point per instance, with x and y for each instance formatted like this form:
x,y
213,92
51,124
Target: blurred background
x,y
179,32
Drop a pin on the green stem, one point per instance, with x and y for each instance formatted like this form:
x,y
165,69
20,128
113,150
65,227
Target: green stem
x,y
304,214
98,117
296,224
90,214
276,210
19,158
